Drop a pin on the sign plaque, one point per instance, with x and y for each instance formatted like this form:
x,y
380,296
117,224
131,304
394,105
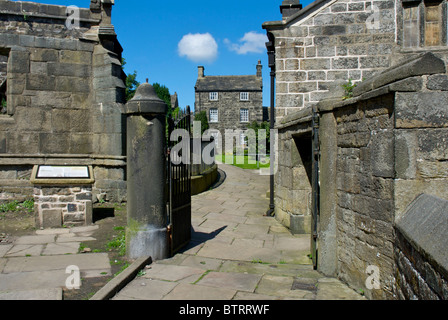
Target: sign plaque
x,y
62,174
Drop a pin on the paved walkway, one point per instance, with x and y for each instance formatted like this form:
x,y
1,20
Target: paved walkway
x,y
34,267
236,253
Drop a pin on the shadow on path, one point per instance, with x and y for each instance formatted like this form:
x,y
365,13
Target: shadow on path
x,y
198,238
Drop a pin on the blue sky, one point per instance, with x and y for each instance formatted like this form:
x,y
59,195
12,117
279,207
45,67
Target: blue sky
x,y
228,35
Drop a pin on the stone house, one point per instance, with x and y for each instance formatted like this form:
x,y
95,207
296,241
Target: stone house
x,y
230,102
352,163
61,76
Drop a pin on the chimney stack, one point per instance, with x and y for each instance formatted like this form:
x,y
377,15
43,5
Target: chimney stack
x,y
289,7
200,72
259,67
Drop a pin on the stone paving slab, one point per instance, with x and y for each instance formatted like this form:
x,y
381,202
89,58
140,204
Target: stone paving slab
x,y
185,291
4,249
145,289
61,248
22,250
21,281
171,272
237,253
91,261
39,239
230,280
40,294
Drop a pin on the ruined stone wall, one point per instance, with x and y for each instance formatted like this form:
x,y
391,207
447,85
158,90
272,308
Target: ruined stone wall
x,y
65,93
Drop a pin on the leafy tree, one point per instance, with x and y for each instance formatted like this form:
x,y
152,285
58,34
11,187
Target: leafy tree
x,y
164,93
202,117
254,125
3,106
131,82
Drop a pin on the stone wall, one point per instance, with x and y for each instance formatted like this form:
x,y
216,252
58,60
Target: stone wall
x,y
293,179
57,206
65,95
327,41
378,151
422,264
365,204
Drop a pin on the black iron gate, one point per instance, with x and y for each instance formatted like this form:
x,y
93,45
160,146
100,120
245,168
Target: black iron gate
x,y
179,184
315,188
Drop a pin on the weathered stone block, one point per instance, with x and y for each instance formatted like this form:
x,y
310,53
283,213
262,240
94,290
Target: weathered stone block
x,y
19,62
315,64
345,63
75,57
382,154
54,143
40,83
409,84
423,109
51,218
72,84
68,69
405,154
438,82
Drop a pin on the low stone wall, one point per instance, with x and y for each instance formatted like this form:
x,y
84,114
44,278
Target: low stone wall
x,y
203,181
422,260
57,206
378,151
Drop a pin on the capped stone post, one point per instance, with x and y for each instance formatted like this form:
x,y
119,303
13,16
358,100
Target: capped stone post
x,y
146,232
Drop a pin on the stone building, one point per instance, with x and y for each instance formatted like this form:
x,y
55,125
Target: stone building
x,y
374,148
230,102
61,77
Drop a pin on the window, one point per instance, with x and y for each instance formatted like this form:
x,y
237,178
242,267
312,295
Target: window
x,y
244,115
244,96
423,23
411,35
213,115
242,139
433,24
213,96
3,74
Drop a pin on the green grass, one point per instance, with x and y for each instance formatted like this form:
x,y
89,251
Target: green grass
x,y
119,242
243,162
14,206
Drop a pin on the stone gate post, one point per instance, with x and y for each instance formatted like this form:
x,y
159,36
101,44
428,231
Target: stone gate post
x,y
146,232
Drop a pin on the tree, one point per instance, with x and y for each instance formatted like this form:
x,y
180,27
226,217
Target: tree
x,y
254,125
164,93
131,82
202,117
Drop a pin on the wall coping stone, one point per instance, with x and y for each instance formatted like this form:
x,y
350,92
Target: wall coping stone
x,y
424,64
425,226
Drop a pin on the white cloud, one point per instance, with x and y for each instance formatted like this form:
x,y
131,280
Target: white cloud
x,y
251,42
198,47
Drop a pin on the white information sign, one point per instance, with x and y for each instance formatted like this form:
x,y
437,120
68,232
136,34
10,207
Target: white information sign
x,y
70,172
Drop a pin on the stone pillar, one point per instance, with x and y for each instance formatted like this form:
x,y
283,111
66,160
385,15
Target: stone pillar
x,y
146,233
